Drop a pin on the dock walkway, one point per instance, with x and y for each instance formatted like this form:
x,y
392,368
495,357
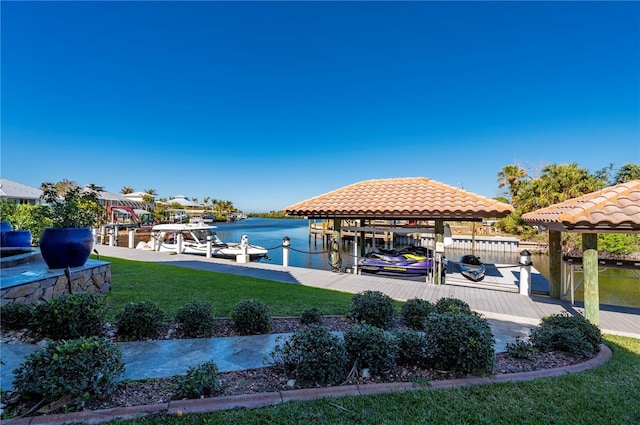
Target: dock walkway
x,y
490,300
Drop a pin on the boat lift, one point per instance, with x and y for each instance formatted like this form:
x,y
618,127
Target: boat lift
x,y
573,265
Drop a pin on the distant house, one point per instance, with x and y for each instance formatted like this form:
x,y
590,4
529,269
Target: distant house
x,y
183,201
114,199
137,196
19,193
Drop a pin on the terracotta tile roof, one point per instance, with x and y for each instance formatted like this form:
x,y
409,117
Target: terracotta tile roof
x,y
613,209
401,198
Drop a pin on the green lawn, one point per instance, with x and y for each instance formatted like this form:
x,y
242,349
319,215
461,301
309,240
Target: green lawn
x,y
604,395
172,287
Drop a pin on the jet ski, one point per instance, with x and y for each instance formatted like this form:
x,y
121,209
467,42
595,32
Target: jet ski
x,y
472,268
411,260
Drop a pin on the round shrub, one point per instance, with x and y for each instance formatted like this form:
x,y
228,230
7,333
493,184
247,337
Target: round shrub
x,y
412,347
569,340
371,347
196,319
200,381
251,317
313,355
373,308
70,316
584,337
15,316
460,343
452,305
415,311
521,349
140,320
78,368
311,315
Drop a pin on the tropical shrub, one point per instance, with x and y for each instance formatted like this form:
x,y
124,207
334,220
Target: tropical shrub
x,y
572,334
200,381
78,368
196,319
521,349
313,355
70,316
15,316
140,320
452,305
371,347
26,217
460,343
412,348
415,311
311,315
251,317
373,308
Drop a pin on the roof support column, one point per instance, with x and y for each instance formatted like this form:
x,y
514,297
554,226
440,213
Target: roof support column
x,y
439,245
555,264
336,243
363,237
590,268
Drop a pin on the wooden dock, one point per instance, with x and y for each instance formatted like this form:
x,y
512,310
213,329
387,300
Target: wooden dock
x,y
494,303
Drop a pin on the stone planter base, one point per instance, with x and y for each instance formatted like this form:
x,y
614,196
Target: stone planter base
x,y
34,281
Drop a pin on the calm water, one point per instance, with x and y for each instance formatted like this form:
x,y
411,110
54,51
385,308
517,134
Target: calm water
x,y
617,287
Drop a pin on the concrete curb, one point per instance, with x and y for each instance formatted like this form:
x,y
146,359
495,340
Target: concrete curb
x,y
251,401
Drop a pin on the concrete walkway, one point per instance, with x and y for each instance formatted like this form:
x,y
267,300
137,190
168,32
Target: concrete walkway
x,y
166,358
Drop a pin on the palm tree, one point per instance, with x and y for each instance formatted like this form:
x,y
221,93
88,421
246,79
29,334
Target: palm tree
x,y
627,173
151,192
126,189
557,184
205,201
147,200
512,176
64,186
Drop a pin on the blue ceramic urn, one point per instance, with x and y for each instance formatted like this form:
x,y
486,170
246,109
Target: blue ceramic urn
x,y
66,247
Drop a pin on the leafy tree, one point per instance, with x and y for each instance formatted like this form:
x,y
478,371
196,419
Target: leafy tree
x,y
147,200
618,244
71,206
25,217
605,174
627,173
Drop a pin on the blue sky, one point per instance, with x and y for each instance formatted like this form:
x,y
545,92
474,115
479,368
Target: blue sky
x,y
266,104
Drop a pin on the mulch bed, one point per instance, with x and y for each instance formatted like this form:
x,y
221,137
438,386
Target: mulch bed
x,y
270,379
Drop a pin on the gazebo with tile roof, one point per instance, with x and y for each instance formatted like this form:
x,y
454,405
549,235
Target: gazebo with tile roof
x,y
614,209
411,198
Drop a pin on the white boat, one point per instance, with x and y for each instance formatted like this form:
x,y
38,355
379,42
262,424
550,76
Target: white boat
x,y
191,238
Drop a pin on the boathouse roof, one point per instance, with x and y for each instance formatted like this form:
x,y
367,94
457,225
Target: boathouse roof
x,y
401,198
614,209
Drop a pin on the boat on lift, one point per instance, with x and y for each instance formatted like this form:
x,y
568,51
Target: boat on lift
x,y
410,260
195,236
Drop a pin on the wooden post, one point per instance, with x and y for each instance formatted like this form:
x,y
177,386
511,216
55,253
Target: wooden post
x,y
590,270
473,238
555,264
438,238
363,239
